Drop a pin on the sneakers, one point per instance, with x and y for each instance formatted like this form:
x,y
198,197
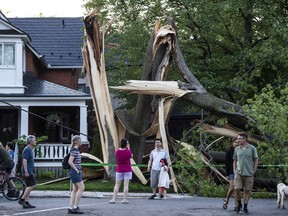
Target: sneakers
x,y
125,202
29,205
153,196
112,201
13,193
238,209
245,211
75,211
23,203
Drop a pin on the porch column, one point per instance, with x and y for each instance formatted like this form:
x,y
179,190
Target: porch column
x,y
83,124
24,123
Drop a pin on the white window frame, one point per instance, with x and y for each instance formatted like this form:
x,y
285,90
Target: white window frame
x,y
3,45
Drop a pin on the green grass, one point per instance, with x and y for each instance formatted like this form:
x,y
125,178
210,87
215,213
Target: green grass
x,y
107,186
94,185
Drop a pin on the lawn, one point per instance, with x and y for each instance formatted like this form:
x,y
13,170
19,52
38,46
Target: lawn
x,y
94,185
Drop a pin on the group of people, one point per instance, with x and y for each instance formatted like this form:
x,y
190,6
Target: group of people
x,y
241,163
158,165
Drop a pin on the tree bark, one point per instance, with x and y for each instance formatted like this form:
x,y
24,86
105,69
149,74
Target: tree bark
x,y
155,68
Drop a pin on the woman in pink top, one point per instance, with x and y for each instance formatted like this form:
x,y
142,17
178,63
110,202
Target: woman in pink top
x,y
123,170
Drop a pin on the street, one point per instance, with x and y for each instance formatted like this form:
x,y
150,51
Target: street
x,y
140,206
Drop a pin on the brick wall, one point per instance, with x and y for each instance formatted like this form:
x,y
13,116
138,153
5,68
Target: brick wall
x,y
66,77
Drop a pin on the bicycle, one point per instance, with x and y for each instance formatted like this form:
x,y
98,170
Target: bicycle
x,y
12,188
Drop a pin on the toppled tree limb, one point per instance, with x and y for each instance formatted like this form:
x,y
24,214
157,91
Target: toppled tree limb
x,y
160,88
94,64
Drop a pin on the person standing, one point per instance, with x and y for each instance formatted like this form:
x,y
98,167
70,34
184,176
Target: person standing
x,y
230,173
164,180
154,165
245,166
75,172
123,170
9,149
28,170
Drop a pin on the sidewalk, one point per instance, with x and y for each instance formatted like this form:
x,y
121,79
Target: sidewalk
x,y
90,194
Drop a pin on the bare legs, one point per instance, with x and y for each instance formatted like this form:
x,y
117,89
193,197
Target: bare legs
x,y
246,196
116,190
125,190
230,192
162,193
27,192
76,194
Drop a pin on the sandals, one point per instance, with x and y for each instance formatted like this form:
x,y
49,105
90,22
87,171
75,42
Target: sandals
x,y
225,204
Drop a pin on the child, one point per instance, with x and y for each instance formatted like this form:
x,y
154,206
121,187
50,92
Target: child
x,y
164,180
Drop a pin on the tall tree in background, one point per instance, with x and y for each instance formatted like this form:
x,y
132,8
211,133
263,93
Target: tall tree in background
x,y
233,47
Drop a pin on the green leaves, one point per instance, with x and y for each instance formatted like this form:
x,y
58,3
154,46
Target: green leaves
x,y
270,110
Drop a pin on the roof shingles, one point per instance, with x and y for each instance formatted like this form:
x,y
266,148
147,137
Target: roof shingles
x,y
59,40
41,88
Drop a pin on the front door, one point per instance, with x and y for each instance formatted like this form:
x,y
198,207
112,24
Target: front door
x,y
8,125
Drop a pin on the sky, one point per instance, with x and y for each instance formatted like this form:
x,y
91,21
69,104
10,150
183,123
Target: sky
x,y
46,8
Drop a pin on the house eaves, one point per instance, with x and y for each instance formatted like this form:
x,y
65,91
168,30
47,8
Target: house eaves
x,y
64,67
24,35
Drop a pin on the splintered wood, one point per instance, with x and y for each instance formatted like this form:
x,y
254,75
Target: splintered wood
x,y
94,64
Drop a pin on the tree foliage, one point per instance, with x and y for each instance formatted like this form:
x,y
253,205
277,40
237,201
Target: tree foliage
x,y
233,47
237,49
270,110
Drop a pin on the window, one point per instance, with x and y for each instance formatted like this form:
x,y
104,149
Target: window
x,y
7,54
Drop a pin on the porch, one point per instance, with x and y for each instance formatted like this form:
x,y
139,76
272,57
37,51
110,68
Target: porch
x,y
48,158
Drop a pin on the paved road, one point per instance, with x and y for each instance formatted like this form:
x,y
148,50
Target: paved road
x,y
139,206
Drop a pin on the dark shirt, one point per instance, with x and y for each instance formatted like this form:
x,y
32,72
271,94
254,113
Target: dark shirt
x,y
229,161
4,156
29,156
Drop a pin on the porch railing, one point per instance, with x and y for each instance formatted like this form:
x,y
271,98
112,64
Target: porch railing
x,y
50,154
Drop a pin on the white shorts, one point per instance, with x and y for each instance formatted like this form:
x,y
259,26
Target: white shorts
x,y
123,176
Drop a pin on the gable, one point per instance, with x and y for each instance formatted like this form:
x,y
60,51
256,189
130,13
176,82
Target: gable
x,y
7,29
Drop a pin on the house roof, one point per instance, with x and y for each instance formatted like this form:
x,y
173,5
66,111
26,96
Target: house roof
x,y
41,88
58,40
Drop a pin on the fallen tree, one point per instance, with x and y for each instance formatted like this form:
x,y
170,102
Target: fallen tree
x,y
155,95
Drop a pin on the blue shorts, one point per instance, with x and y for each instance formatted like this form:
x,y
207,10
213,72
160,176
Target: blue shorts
x,y
74,176
123,176
231,177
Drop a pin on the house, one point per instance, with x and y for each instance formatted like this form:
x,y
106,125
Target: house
x,y
40,65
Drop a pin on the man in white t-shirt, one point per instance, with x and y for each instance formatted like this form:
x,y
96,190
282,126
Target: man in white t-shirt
x,y
154,165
